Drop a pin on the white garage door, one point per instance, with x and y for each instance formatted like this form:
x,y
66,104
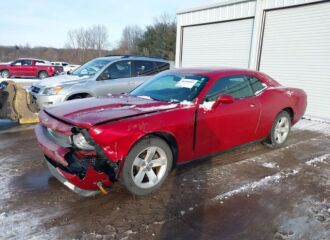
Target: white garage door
x,y
217,44
296,52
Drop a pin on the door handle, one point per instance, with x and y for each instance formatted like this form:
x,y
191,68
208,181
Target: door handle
x,y
252,105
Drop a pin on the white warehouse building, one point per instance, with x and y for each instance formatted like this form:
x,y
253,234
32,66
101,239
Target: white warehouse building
x,y
287,39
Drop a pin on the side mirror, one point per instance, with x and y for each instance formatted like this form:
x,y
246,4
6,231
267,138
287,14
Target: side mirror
x,y
68,72
223,99
104,76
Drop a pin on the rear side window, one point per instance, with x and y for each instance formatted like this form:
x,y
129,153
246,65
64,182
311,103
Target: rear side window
x,y
145,68
236,86
256,84
38,63
162,66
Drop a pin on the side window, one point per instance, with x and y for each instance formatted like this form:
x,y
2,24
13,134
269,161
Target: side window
x,y
162,66
122,69
26,62
256,84
65,64
18,63
236,86
145,68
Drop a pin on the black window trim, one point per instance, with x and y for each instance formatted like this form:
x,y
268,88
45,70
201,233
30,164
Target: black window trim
x,y
236,75
259,92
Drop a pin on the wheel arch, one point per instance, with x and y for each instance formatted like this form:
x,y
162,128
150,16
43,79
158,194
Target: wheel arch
x,y
43,70
69,97
166,136
290,111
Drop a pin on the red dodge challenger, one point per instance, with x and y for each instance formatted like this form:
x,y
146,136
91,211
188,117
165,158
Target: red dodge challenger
x,y
176,117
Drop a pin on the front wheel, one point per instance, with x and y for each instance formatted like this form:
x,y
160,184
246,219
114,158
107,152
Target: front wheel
x,y
280,130
147,166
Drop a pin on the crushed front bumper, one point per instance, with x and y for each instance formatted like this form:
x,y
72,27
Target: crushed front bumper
x,y
61,163
59,176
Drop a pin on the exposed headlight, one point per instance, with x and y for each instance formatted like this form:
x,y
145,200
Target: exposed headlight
x,y
53,90
80,142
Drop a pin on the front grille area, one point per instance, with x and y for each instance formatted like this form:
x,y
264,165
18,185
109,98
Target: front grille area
x,y
35,89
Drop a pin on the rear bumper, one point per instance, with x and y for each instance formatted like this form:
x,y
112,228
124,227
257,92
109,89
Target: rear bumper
x,y
60,163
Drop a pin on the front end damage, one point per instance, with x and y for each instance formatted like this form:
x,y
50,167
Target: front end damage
x,y
85,171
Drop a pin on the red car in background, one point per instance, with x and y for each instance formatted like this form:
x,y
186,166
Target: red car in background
x,y
176,117
29,67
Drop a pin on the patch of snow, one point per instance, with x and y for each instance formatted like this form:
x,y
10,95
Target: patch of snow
x,y
249,187
187,103
182,213
315,126
25,225
145,97
124,107
207,106
269,165
318,159
164,107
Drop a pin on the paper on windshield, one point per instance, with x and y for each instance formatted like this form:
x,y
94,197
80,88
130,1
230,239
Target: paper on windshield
x,y
186,83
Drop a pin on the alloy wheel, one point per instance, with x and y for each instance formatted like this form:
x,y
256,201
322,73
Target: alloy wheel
x,y
282,129
149,167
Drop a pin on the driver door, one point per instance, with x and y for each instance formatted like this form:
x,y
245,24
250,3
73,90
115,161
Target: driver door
x,y
115,79
227,125
15,68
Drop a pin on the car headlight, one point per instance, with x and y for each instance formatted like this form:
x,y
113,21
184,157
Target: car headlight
x,y
53,90
80,142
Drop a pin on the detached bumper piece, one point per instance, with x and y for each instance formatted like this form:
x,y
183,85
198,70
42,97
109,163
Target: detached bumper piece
x,y
84,174
56,173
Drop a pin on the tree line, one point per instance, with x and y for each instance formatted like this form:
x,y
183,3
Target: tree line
x,y
83,44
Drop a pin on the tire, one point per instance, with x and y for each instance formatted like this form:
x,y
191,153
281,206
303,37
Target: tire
x,y
149,158
5,74
280,130
42,74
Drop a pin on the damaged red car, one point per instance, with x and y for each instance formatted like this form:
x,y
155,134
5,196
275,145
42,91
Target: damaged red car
x,y
174,118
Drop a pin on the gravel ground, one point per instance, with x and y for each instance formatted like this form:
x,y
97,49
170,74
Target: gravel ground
x,y
252,192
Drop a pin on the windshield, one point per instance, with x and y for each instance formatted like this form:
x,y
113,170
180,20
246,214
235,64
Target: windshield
x,y
174,87
91,68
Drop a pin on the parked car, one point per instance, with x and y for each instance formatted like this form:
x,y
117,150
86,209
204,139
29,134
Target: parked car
x,y
66,66
29,67
98,77
174,118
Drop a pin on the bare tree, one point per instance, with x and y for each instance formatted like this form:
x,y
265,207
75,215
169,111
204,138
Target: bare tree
x,y
129,40
86,39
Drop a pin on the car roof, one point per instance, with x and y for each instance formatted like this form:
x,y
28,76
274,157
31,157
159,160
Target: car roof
x,y
35,59
212,70
132,57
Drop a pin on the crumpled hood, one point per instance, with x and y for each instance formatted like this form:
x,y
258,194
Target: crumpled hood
x,y
92,111
62,80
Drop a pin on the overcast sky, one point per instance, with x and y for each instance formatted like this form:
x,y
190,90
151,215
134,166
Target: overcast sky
x,y
46,22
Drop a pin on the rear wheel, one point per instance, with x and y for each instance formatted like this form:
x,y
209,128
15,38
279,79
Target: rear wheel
x,y
5,74
42,74
147,166
280,130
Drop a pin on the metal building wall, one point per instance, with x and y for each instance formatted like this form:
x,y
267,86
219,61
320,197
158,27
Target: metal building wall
x,y
230,10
